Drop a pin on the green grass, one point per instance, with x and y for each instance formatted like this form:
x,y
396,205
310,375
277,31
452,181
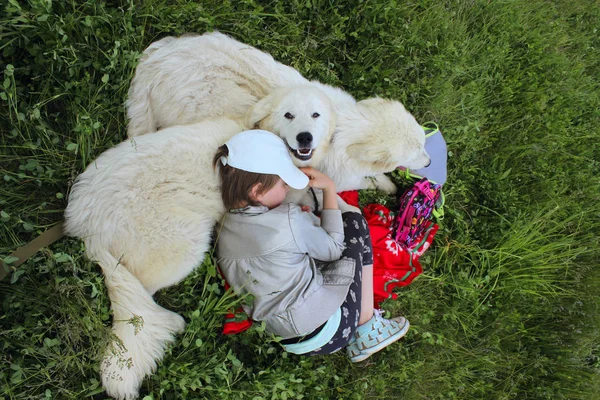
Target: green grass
x,y
507,306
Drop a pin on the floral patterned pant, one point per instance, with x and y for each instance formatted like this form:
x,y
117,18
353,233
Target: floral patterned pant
x,y
358,247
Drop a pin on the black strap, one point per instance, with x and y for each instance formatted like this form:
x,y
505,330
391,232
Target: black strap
x,y
316,212
305,337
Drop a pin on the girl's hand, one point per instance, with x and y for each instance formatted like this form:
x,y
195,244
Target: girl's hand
x,y
306,208
318,179
321,181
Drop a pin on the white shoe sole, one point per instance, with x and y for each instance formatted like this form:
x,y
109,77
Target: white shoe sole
x,y
364,354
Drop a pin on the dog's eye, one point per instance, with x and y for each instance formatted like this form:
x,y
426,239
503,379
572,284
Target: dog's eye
x,y
289,116
316,115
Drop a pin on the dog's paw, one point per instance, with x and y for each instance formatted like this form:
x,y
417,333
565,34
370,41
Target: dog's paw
x,y
345,207
177,323
385,184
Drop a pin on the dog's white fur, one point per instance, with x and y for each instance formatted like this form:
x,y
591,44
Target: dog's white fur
x,y
146,210
370,140
187,79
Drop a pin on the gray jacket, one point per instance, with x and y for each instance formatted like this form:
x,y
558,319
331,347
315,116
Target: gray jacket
x,y
288,263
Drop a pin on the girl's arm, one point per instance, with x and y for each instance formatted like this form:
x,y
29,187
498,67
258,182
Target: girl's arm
x,y
326,242
329,198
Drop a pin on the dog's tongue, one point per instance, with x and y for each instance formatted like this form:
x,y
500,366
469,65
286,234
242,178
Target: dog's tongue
x,y
304,152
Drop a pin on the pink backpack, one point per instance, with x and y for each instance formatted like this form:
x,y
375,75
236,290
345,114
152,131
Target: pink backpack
x,y
416,207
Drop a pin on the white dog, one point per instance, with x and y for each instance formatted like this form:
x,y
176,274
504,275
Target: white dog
x,y
369,139
146,211
187,79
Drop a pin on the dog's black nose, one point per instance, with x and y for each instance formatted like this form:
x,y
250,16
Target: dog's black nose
x,y
304,138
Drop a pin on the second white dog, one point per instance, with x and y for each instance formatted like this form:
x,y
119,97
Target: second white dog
x,y
146,211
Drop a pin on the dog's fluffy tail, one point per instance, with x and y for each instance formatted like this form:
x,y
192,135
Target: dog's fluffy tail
x,y
138,104
142,331
139,112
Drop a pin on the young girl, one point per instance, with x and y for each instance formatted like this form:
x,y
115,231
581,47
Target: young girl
x,y
311,280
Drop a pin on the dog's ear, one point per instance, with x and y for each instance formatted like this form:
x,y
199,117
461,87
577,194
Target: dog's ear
x,y
375,158
260,111
332,124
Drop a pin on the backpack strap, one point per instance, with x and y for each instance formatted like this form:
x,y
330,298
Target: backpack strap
x,y
429,129
438,210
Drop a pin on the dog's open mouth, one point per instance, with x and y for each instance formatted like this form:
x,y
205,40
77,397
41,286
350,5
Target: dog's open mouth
x,y
301,154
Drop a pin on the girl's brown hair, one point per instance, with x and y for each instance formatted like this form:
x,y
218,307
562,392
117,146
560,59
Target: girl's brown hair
x,y
236,183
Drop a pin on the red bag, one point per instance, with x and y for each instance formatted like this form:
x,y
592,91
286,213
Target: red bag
x,y
394,265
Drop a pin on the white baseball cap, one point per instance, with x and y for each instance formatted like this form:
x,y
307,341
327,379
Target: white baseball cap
x,y
264,153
